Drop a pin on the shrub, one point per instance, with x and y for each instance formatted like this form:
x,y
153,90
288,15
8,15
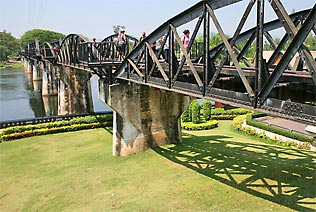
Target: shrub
x,y
202,126
238,121
207,108
196,114
187,115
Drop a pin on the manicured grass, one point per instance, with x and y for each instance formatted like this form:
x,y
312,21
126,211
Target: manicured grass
x,y
215,170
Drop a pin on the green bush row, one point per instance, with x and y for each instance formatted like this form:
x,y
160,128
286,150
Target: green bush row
x,y
202,126
237,124
46,131
195,110
277,130
80,123
232,112
56,124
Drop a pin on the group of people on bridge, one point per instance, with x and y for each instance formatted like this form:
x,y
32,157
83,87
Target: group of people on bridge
x,y
160,47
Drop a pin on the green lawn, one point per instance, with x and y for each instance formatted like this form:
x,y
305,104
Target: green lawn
x,y
215,170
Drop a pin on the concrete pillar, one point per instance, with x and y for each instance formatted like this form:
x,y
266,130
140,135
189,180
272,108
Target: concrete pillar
x,y
74,92
49,86
144,117
50,105
29,67
62,99
37,72
25,64
37,86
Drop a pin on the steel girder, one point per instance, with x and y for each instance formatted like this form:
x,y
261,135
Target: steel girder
x,y
256,83
49,50
68,52
31,50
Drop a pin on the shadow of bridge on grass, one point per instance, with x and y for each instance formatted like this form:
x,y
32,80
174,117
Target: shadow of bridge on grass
x,y
281,175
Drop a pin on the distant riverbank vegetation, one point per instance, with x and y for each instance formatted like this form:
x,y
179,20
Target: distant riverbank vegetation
x,y
10,47
11,64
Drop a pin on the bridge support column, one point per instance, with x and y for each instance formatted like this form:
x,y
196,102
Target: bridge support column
x,y
25,64
37,72
28,66
49,86
144,117
74,92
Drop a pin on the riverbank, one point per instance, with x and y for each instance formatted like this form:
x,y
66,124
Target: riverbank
x,y
213,170
5,65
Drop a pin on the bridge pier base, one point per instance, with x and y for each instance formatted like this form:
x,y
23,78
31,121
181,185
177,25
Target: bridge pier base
x,y
37,71
143,116
74,91
28,66
49,83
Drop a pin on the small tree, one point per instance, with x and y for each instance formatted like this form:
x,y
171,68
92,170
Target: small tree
x,y
207,107
4,53
196,114
187,115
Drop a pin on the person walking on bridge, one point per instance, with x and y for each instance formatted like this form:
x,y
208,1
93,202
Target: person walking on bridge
x,y
121,46
185,39
142,37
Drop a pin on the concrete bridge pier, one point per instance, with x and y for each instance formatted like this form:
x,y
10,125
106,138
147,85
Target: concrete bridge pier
x,y
49,89
49,86
28,66
25,63
37,71
74,91
143,117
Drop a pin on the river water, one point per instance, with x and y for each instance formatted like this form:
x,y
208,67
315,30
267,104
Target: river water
x,y
20,97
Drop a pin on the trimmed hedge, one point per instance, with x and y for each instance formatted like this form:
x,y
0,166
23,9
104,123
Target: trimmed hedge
x,y
221,114
202,126
278,131
80,123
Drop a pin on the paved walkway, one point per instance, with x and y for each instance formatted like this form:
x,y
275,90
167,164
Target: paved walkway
x,y
285,123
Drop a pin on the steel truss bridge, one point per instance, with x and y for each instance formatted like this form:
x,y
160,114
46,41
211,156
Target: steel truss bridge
x,y
222,73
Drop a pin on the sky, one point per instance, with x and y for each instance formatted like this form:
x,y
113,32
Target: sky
x,y
96,18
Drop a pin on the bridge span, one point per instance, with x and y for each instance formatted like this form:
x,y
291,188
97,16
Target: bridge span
x,y
149,89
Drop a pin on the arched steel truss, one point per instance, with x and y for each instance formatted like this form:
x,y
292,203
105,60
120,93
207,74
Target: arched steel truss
x,y
31,50
69,52
203,78
49,51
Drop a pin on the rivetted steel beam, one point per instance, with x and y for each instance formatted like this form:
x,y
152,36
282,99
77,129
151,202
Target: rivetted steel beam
x,y
292,31
289,54
206,45
272,25
259,48
187,57
233,40
230,52
196,30
278,50
247,45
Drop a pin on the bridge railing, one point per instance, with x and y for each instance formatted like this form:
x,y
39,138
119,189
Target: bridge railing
x,y
100,52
